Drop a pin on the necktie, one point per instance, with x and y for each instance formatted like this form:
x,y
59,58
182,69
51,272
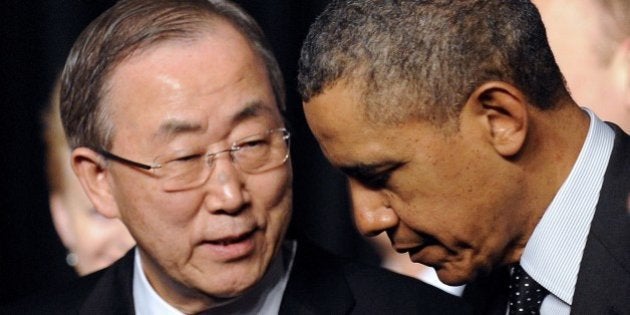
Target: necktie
x,y
526,295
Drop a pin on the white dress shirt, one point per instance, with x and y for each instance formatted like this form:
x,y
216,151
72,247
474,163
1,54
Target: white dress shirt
x,y
264,298
553,253
429,275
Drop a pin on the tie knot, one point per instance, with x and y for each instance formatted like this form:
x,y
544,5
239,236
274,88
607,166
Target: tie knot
x,y
526,295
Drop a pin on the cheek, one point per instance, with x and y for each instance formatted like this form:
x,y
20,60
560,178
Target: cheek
x,y
271,197
145,200
271,189
158,218
440,202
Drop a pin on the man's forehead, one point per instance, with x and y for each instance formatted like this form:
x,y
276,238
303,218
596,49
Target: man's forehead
x,y
350,140
354,147
334,112
215,32
202,86
175,125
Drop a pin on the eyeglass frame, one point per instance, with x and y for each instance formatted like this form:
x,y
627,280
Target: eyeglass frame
x,y
209,156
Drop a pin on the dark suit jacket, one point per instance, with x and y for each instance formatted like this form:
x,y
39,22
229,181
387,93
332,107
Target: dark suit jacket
x,y
603,284
319,284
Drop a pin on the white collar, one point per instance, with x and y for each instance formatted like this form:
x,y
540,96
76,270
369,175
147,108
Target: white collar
x,y
553,253
264,298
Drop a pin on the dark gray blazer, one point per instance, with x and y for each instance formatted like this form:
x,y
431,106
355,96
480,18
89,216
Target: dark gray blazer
x,y
319,283
603,284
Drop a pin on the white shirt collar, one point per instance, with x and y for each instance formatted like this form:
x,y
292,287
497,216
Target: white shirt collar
x,y
264,298
553,253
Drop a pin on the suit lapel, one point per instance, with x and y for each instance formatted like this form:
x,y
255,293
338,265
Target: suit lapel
x,y
603,282
317,285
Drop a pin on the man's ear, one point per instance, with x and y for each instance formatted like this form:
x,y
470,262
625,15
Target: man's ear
x,y
62,220
502,110
90,169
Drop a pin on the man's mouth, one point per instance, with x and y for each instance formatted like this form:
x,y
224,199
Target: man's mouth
x,y
231,239
423,253
230,248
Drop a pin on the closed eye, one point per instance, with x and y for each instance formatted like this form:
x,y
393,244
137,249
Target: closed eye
x,y
254,146
374,177
376,181
253,143
187,158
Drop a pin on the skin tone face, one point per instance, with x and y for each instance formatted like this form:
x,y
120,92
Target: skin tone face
x,y
436,194
199,246
602,83
96,240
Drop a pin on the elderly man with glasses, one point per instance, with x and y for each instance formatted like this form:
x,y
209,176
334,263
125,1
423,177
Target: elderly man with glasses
x,y
173,111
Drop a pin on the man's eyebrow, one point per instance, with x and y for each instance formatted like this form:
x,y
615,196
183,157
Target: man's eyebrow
x,y
174,126
252,109
366,170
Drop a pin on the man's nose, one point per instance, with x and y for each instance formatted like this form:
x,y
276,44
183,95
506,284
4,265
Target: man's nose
x,y
372,212
225,188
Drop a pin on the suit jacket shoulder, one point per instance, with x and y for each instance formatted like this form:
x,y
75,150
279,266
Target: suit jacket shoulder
x,y
603,285
321,283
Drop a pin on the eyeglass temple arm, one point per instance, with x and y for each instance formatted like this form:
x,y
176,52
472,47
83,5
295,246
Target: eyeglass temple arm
x,y
117,158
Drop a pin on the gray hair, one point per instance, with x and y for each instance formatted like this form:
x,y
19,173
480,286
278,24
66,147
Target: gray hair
x,y
422,59
131,26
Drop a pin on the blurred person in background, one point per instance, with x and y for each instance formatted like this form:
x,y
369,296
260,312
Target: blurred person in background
x,y
591,42
93,240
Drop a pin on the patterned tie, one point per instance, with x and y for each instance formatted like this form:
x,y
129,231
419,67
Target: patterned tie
x,y
526,295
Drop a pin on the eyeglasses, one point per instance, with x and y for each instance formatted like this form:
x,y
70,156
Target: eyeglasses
x,y
253,155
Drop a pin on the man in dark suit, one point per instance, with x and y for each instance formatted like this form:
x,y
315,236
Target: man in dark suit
x,y
173,111
461,142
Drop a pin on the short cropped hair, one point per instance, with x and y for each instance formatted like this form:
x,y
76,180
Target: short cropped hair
x,y
131,26
422,59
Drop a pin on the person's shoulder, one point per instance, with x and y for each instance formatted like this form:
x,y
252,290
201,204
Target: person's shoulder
x,y
107,291
396,291
621,137
375,288
60,299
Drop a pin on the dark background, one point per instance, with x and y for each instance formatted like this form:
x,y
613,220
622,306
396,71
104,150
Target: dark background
x,y
35,38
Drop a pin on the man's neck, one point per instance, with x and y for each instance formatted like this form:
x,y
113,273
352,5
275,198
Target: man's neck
x,y
185,299
554,142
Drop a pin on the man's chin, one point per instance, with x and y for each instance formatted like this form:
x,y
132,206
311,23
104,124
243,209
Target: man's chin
x,y
230,292
454,277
